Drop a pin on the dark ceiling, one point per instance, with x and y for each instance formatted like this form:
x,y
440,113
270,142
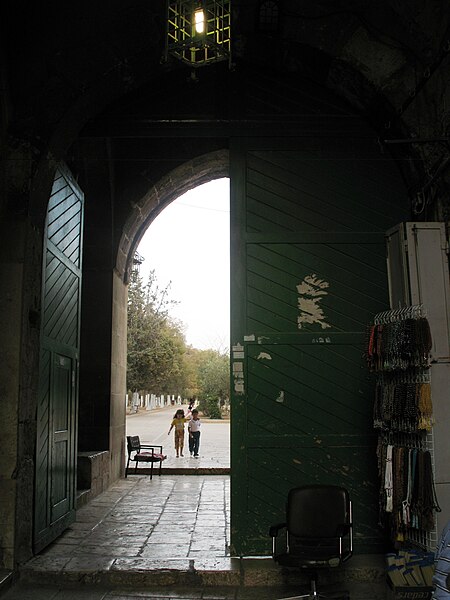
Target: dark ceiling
x,y
71,71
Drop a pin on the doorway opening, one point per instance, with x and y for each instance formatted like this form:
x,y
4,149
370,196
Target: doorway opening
x,y
181,284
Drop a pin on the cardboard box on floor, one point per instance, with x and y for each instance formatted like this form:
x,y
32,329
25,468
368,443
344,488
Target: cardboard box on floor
x,y
410,575
408,592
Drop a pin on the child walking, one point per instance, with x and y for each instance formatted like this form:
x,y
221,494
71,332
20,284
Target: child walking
x,y
178,422
194,433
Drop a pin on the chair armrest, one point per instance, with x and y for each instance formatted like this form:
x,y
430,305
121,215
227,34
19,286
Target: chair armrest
x,y
152,446
275,529
345,533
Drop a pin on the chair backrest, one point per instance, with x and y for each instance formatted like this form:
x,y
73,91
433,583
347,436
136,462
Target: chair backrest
x,y
318,511
133,444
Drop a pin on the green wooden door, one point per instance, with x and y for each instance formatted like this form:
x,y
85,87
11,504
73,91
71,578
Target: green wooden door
x,y
58,373
62,448
308,272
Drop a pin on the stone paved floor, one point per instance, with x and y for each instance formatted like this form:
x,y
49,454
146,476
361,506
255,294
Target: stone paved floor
x,y
165,538
139,520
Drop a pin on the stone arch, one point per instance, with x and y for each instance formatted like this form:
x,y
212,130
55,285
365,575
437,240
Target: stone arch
x,y
191,174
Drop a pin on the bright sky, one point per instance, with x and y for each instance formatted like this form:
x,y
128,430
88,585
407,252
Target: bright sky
x,y
189,245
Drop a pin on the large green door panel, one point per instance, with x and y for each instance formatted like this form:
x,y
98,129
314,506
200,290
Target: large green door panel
x,y
331,197
353,272
306,406
62,460
55,486
307,389
274,469
308,273
61,318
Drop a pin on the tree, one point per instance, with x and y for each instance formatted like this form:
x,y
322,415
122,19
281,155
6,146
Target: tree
x,y
214,374
214,381
156,343
158,359
191,364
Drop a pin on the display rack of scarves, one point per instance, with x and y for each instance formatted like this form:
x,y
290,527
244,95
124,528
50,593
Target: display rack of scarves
x,y
399,340
407,491
398,351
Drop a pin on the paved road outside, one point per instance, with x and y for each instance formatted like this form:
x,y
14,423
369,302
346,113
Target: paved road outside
x,y
152,427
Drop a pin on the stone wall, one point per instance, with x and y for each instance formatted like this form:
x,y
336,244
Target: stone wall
x,y
93,475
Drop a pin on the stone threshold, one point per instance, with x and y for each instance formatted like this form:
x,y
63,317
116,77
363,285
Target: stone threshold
x,y
184,471
219,572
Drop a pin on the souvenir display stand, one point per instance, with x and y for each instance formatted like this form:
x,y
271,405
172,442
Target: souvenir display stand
x,y
398,353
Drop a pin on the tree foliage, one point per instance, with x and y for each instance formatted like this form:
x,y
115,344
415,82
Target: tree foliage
x,y
156,345
213,373
159,361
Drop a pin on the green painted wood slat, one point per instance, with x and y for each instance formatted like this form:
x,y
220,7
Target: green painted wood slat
x,y
308,273
57,403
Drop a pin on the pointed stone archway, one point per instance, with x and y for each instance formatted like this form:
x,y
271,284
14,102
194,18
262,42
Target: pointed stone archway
x,y
193,173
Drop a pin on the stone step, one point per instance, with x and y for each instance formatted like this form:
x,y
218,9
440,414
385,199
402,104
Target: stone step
x,y
365,575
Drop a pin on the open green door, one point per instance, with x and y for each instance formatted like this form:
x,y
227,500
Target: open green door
x,y
55,484
308,273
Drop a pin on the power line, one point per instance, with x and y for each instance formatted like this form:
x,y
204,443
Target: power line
x,y
203,207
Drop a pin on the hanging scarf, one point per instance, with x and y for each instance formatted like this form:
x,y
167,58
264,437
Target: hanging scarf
x,y
388,483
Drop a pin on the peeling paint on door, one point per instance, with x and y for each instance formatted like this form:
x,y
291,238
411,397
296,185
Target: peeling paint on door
x,y
280,397
238,368
311,291
264,356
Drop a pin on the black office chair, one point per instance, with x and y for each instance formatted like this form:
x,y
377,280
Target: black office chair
x,y
318,532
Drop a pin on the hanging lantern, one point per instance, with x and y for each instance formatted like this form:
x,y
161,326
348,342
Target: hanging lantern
x,y
199,32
